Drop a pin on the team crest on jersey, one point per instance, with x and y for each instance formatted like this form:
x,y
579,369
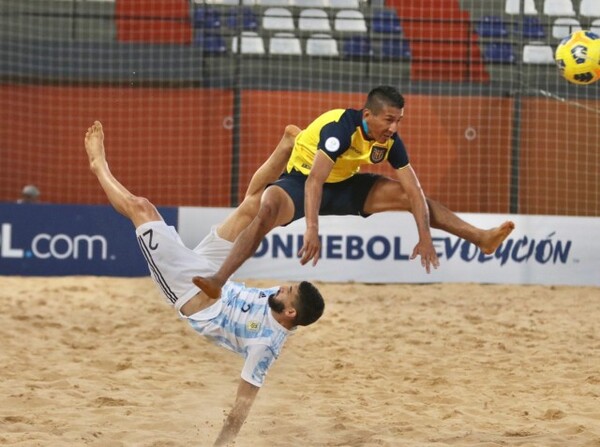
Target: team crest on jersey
x,y
253,326
377,154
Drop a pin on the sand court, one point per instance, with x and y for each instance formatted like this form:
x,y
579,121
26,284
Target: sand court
x,y
104,362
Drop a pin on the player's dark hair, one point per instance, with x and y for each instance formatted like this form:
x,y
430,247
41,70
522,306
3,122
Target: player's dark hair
x,y
384,95
309,304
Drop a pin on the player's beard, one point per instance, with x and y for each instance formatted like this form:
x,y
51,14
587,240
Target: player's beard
x,y
276,306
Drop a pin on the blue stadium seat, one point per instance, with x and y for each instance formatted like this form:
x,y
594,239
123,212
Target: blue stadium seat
x,y
207,18
356,46
386,21
491,26
531,28
248,17
212,44
499,53
395,49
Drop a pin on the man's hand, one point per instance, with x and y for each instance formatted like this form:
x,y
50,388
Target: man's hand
x,y
245,397
311,247
428,255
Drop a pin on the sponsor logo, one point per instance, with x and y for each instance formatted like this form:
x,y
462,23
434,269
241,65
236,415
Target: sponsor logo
x,y
53,246
379,247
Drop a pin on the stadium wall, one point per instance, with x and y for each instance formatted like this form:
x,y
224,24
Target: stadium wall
x,y
192,164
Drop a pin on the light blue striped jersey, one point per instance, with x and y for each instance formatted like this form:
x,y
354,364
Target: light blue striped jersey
x,y
246,325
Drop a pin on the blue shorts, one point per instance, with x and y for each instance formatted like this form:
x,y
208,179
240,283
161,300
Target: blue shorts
x,y
340,199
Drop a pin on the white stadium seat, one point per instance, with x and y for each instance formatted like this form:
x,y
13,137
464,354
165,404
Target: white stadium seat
x,y
538,54
350,20
252,43
321,45
560,8
315,20
310,3
284,44
343,4
278,19
272,2
563,26
513,7
589,8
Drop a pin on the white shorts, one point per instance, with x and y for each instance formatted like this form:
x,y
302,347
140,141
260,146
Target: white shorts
x,y
173,265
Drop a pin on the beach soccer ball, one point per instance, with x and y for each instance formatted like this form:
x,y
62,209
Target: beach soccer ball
x,y
578,57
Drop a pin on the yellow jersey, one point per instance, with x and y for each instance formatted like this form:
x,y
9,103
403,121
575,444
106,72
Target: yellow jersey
x,y
340,135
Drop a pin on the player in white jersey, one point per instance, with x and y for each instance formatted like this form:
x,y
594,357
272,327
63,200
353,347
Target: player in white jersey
x,y
250,321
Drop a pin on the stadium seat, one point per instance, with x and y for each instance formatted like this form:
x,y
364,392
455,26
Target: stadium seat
x,y
538,54
499,53
595,26
386,21
563,26
491,26
310,3
530,28
314,20
247,16
269,3
207,18
560,8
278,19
213,44
285,44
513,7
356,47
395,49
321,45
223,2
349,20
252,43
589,8
343,4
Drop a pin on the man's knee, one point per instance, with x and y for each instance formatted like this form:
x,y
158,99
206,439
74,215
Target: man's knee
x,y
268,211
387,195
291,131
143,208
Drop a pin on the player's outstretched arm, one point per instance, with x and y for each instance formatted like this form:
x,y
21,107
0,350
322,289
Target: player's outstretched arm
x,y
246,394
313,194
418,205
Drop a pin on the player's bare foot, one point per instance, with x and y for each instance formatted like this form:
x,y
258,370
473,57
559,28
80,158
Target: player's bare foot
x,y
94,144
494,237
209,285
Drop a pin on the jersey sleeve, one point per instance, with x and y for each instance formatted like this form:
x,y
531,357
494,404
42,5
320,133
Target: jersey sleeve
x,y
259,359
398,157
335,137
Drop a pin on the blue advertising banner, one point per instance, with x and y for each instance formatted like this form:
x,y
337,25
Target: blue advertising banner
x,y
51,240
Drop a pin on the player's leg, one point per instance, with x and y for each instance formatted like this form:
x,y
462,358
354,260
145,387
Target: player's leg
x,y
273,167
139,210
389,195
276,208
267,173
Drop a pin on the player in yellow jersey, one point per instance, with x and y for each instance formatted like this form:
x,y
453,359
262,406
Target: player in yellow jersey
x,y
322,178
